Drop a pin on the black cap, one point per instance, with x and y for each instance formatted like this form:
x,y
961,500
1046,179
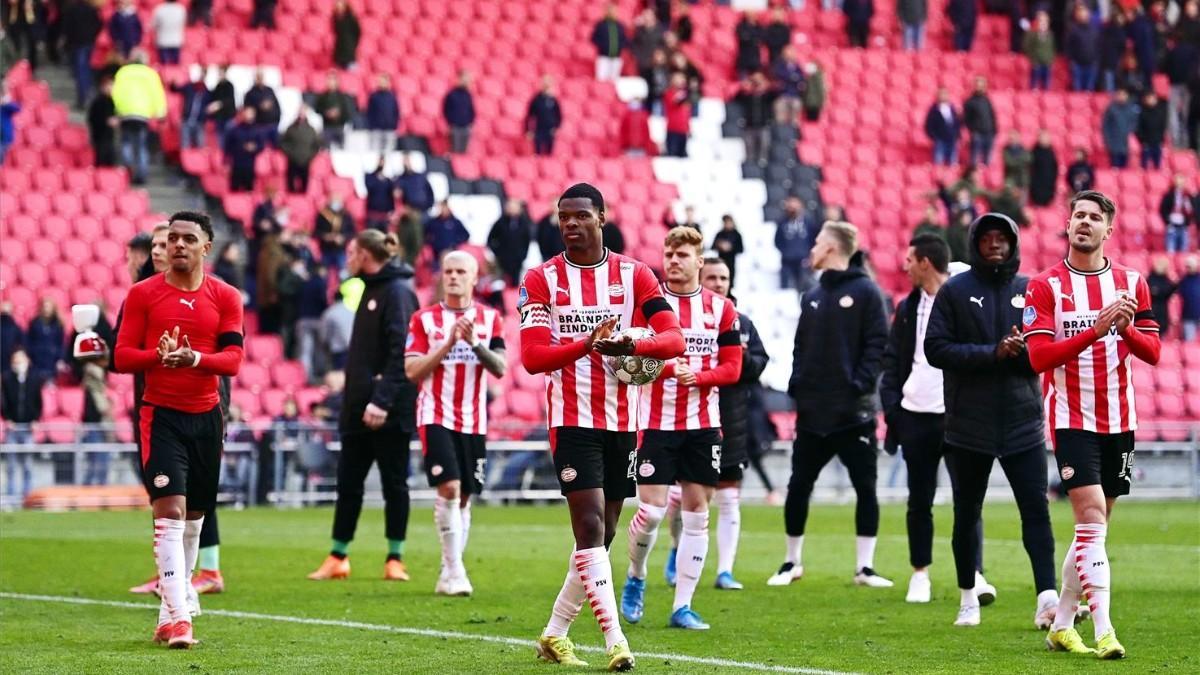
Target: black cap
x,y
142,241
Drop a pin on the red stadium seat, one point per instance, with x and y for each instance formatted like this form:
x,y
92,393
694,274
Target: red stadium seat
x,y
264,349
288,375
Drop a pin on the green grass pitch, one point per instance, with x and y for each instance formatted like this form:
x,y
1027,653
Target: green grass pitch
x,y
517,558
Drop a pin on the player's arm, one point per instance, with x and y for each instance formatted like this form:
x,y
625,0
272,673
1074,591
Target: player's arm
x,y
797,353
130,354
890,386
667,341
1141,334
492,356
875,337
942,348
538,355
755,357
401,304
729,353
419,360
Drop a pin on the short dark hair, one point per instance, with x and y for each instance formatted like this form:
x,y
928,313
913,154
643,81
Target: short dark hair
x,y
1107,207
375,243
584,191
196,217
932,247
142,241
714,260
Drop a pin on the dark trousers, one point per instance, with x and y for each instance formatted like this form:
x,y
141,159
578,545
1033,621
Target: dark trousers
x,y
209,534
1152,155
388,447
858,32
297,177
811,452
241,178
676,144
964,38
81,69
543,142
920,438
1026,472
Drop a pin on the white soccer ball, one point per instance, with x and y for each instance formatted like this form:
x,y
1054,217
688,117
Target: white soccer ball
x,y
634,370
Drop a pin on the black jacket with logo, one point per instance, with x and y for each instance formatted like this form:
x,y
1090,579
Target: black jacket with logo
x,y
993,406
734,399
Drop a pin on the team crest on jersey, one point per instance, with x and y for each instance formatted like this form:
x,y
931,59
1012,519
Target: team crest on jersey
x,y
846,302
1029,316
568,474
1067,473
616,290
161,481
1018,301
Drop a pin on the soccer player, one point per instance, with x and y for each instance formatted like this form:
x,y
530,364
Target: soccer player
x,y
183,330
452,346
681,429
1085,320
570,307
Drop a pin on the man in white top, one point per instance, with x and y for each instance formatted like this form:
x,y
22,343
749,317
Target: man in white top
x,y
911,394
169,21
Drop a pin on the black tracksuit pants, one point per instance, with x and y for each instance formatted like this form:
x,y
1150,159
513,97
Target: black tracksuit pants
x,y
811,452
388,447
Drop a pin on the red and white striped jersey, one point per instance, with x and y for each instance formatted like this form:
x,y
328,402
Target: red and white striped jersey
x,y
704,317
1094,391
454,395
571,301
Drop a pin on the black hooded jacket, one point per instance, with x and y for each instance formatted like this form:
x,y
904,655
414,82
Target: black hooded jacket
x,y
838,353
735,398
993,406
375,358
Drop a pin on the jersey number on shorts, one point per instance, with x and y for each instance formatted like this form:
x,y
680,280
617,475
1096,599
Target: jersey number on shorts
x,y
480,469
1126,464
716,457
632,462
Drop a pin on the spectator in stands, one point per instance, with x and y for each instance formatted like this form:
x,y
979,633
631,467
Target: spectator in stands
x,y
102,126
26,24
677,106
610,41
125,28
336,109
200,11
794,238
1112,48
333,230
383,115
193,116
1145,39
959,200
1043,171
458,109
1039,48
543,118
728,245
346,34
228,267
444,232
168,21
21,405
416,189
1162,287
337,322
262,98
1007,201
611,236
509,240
1152,130
381,197
139,98
756,100
44,340
682,26
647,37
1187,28
776,35
1016,161
635,130
271,260
1081,175
658,78
1119,123
222,103
264,14
1083,50
749,36
81,26
269,217
931,222
1178,211
979,117
1189,293
858,20
1181,64
8,110
913,14
12,336
311,302
790,83
963,15
680,63
243,143
301,145
814,91
97,410
549,239
943,125
689,219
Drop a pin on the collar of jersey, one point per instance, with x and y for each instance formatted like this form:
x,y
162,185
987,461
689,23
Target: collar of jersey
x,y
1102,270
668,291
448,308
602,260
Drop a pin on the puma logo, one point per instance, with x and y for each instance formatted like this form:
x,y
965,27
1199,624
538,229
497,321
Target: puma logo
x,y
1069,297
814,303
191,304
978,301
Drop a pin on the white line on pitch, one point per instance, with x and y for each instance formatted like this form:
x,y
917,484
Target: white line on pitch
x,y
422,632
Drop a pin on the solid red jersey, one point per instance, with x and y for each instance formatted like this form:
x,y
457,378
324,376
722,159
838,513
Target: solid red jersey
x,y
708,322
571,300
454,395
210,317
1094,391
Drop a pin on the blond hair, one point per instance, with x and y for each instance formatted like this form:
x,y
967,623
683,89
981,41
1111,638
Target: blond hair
x,y
844,233
160,226
682,235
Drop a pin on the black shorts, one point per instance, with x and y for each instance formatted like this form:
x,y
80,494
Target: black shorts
x,y
735,450
586,459
669,456
1089,458
181,454
732,474
452,455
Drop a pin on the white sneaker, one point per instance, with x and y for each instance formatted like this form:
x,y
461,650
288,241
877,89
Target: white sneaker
x,y
968,615
1047,609
919,588
985,593
458,585
788,572
867,577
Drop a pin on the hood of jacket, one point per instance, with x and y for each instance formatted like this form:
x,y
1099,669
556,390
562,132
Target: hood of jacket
x,y
394,269
1005,271
835,278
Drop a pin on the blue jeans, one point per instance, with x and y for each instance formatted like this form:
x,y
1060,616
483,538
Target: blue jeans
x,y
1108,78
1190,329
1152,154
335,259
96,471
134,151
981,148
1039,77
168,55
914,36
3,150
1083,77
1119,160
945,152
191,135
81,69
21,461
1177,238
676,144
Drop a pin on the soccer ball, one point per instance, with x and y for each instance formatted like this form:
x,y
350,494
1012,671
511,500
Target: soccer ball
x,y
631,369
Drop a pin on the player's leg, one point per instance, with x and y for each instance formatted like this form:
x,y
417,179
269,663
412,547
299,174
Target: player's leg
x,y
858,451
699,472
354,462
208,578
985,592
164,473
675,526
973,470
1072,453
204,441
442,469
1026,473
656,468
921,460
474,469
810,454
391,450
729,525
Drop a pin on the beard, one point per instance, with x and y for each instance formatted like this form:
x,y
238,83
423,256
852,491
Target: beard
x,y
1085,246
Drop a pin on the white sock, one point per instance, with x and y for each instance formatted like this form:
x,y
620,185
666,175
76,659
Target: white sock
x,y
164,614
171,561
643,531
596,574
1068,599
795,547
1095,577
924,574
466,527
447,515
729,527
864,549
967,597
191,544
567,604
693,547
674,500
